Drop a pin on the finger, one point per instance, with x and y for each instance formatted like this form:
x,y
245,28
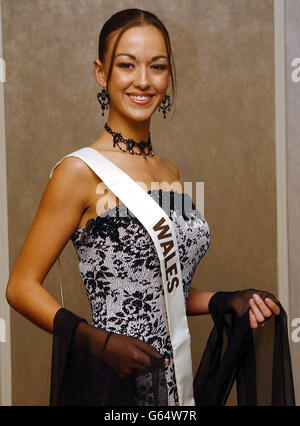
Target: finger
x,y
253,322
273,306
148,349
149,365
142,360
267,313
145,361
258,315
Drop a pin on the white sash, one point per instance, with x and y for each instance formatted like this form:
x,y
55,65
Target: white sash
x,y
161,230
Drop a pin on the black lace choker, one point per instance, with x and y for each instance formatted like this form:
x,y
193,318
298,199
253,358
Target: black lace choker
x,y
130,143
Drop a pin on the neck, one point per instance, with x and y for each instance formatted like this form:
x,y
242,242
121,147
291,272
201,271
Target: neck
x,y
130,129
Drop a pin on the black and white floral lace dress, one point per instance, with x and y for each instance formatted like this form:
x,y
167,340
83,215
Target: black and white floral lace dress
x,y
120,269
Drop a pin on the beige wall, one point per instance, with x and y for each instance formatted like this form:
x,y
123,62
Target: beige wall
x,y
223,131
292,22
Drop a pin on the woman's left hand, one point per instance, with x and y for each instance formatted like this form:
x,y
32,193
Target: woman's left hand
x,y
261,310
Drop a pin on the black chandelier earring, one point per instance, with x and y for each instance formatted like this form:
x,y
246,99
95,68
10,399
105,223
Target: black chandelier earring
x,y
103,98
165,105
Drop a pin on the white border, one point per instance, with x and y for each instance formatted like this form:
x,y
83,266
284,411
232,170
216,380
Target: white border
x,y
5,350
281,162
281,188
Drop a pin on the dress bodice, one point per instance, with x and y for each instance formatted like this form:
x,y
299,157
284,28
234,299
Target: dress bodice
x,y
121,272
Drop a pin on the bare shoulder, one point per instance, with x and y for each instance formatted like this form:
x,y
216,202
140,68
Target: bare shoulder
x,y
72,167
61,207
171,166
72,175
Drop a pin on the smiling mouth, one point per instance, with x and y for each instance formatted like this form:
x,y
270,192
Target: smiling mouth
x,y
141,100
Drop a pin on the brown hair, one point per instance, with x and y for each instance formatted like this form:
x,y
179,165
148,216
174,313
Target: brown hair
x,y
129,18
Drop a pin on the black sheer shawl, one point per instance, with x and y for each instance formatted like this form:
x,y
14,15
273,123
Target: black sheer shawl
x,y
258,360
79,377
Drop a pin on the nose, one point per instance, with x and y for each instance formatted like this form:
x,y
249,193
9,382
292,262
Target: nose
x,y
142,78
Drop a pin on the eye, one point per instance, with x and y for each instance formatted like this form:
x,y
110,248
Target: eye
x,y
160,67
125,65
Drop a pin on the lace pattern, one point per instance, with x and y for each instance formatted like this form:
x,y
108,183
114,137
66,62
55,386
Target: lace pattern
x,y
120,269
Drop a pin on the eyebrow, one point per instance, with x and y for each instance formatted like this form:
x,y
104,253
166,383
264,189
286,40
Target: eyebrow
x,y
133,57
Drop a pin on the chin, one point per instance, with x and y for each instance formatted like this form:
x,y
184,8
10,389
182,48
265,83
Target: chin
x,y
139,117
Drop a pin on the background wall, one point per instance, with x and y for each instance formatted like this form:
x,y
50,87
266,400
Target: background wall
x,y
222,132
5,352
292,23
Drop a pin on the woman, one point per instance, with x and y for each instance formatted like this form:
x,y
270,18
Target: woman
x,y
135,68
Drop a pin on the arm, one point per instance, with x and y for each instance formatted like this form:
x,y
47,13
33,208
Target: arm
x,y
58,215
64,201
198,300
260,309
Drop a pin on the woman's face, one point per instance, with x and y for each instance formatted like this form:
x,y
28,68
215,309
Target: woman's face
x,y
140,68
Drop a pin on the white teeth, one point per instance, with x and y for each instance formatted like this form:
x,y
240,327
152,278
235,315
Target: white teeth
x,y
140,98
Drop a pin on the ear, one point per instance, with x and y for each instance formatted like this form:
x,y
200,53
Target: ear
x,y
99,72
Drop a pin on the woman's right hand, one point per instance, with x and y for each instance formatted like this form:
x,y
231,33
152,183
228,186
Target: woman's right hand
x,y
129,356
126,355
